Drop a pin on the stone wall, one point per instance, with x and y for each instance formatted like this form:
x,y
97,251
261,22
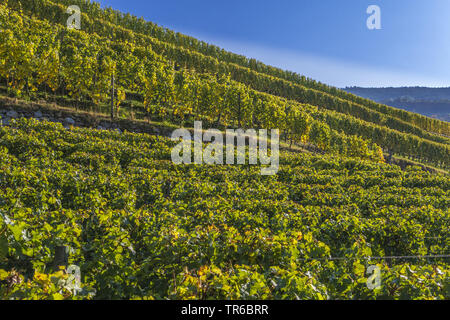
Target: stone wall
x,y
67,117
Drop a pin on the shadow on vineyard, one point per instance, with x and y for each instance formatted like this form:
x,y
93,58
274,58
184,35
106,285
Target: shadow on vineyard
x,y
93,207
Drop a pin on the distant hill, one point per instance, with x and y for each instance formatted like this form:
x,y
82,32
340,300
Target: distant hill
x,y
432,102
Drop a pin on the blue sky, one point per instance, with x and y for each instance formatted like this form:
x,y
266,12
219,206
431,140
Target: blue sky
x,y
326,40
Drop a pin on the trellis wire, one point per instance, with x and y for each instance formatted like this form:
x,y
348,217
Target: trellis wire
x,y
438,256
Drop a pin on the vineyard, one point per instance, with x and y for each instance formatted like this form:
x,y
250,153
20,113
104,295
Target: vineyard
x,y
140,227
171,82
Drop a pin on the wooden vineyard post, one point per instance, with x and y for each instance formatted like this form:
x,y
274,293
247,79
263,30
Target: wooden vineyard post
x,y
61,258
112,97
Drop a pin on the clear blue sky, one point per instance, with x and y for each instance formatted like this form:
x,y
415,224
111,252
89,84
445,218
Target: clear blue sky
x,y
324,39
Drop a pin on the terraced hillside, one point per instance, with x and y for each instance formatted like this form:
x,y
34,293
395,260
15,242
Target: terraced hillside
x,y
138,226
175,83
192,53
